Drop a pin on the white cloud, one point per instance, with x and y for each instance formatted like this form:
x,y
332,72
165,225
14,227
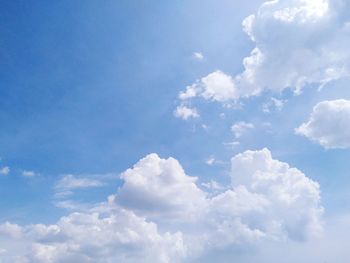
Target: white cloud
x,y
185,112
328,124
198,55
28,173
239,128
4,170
213,161
292,197
210,161
297,43
69,182
156,186
91,237
151,217
273,104
217,86
232,144
11,230
190,92
213,185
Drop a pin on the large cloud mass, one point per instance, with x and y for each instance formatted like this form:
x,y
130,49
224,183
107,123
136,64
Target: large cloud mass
x,y
329,124
297,43
160,215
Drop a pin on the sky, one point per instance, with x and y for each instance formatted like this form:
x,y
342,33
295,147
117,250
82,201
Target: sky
x,y
174,131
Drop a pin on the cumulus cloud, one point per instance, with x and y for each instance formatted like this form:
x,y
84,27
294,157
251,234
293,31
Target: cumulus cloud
x,y
297,43
91,237
239,128
161,187
328,124
160,214
217,86
290,194
185,112
11,230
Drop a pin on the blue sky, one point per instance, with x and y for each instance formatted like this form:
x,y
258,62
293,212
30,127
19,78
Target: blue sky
x,y
90,88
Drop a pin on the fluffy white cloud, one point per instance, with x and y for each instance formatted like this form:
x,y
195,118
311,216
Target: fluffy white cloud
x,y
11,230
239,128
159,214
293,199
158,186
91,237
185,112
329,124
217,86
298,42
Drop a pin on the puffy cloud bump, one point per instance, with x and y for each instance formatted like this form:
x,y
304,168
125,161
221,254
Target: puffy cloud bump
x,y
160,214
329,124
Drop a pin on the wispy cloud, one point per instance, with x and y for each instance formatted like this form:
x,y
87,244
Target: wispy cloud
x,y
5,170
198,55
26,173
70,182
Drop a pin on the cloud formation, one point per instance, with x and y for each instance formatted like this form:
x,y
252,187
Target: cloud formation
x,y
5,170
26,173
69,182
297,43
328,124
185,112
239,128
217,86
160,214
198,55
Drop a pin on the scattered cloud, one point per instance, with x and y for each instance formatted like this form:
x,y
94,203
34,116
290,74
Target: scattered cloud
x,y
328,124
213,185
198,55
232,144
210,161
239,128
217,86
4,170
185,112
297,43
26,173
213,161
70,182
273,105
